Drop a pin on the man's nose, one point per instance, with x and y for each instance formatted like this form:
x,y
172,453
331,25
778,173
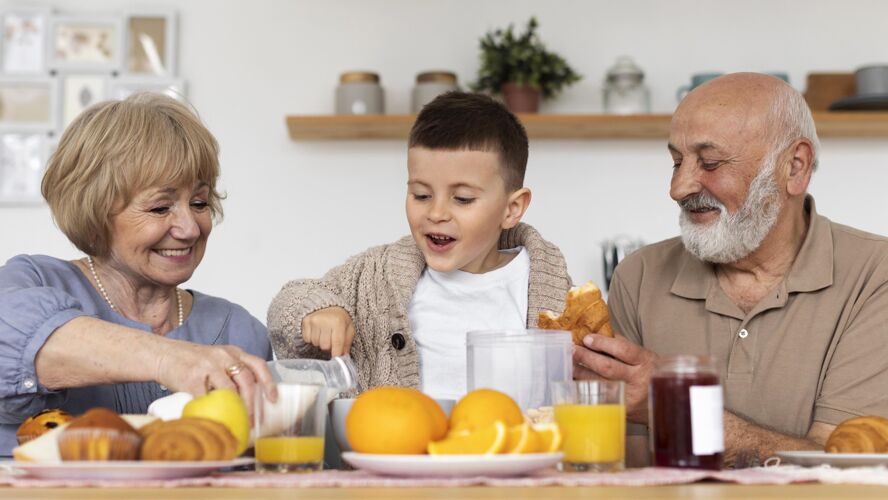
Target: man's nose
x,y
685,181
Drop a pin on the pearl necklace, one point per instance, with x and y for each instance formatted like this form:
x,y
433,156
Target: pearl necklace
x,y
92,269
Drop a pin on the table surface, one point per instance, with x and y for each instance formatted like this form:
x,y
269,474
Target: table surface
x,y
699,490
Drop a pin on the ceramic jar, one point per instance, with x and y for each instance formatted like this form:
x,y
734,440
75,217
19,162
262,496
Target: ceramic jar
x,y
429,85
359,93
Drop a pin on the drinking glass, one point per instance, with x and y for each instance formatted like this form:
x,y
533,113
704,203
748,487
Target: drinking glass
x,y
591,415
289,433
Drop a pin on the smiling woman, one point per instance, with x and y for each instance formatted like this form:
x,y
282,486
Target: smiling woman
x,y
133,186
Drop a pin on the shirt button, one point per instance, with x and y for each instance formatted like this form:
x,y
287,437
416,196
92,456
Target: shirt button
x,y
28,383
398,341
743,333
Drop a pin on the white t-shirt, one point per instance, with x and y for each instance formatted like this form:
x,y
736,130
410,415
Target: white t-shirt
x,y
445,306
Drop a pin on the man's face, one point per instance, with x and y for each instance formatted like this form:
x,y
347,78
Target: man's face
x,y
723,179
456,205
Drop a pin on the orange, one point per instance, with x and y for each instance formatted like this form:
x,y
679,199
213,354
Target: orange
x,y
439,418
550,437
481,408
522,438
487,440
390,420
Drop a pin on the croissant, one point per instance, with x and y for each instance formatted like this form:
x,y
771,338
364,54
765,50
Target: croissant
x,y
585,312
859,435
187,439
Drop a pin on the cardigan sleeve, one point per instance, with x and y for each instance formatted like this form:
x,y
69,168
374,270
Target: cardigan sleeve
x,y
299,298
30,311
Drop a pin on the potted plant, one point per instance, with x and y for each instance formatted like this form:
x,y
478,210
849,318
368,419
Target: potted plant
x,y
521,68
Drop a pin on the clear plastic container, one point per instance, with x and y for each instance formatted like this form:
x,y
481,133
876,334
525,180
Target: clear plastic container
x,y
337,374
521,363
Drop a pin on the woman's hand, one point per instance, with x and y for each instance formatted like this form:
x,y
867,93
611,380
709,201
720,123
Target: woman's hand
x,y
197,369
330,329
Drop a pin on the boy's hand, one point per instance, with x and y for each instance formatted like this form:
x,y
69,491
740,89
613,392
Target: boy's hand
x,y
330,330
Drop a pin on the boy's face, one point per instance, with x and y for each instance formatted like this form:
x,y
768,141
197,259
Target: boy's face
x,y
457,206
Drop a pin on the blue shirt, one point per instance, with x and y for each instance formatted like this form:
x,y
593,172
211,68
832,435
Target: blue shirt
x,y
39,294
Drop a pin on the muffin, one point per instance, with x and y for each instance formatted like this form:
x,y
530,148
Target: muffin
x,y
42,422
99,434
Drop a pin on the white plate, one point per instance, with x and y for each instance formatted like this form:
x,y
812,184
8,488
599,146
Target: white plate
x,y
452,465
123,469
813,458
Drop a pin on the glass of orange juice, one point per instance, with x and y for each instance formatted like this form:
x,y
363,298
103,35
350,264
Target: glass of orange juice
x,y
591,415
289,432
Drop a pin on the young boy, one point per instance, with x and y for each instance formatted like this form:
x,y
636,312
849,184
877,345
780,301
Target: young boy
x,y
402,310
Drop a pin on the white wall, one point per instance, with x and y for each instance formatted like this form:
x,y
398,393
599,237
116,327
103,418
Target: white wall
x,y
297,208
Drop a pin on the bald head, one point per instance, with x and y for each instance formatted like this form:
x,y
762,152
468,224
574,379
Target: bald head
x,y
751,107
740,91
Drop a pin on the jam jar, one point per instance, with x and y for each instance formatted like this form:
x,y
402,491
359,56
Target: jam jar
x,y
686,413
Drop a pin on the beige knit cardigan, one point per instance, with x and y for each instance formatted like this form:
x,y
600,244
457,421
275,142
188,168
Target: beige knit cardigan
x,y
376,286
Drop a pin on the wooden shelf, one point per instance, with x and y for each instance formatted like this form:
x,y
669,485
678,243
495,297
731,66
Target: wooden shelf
x,y
864,124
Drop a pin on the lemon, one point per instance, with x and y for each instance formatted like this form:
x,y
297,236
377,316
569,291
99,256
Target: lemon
x,y
226,407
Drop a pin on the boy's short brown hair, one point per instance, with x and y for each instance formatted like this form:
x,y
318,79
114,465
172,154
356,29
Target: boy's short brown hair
x,y
474,122
115,149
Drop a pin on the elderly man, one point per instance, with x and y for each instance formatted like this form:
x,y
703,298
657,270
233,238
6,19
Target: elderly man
x,y
793,306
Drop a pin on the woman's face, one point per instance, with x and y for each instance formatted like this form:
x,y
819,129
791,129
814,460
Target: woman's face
x,y
160,237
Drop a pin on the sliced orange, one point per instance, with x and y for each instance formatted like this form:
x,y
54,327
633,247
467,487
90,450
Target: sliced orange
x,y
522,439
549,436
484,441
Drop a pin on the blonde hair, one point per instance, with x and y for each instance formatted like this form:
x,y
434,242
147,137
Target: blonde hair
x,y
115,149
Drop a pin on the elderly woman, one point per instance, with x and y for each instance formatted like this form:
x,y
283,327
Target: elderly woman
x,y
133,186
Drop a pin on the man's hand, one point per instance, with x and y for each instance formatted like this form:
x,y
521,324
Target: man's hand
x,y
618,359
330,329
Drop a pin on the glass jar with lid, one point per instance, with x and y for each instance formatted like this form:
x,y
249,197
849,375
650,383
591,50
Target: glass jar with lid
x,y
337,374
359,93
624,89
686,413
429,85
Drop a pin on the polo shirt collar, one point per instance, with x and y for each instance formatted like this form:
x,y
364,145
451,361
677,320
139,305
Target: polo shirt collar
x,y
812,269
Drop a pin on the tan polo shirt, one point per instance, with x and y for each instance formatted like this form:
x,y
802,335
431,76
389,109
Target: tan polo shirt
x,y
815,348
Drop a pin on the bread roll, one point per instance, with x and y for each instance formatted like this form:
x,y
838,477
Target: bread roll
x,y
859,435
585,312
188,438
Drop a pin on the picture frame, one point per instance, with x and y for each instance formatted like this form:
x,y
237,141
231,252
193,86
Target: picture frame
x,y
151,43
121,88
23,40
78,91
84,43
23,158
28,104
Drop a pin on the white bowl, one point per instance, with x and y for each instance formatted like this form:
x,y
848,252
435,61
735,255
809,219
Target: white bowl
x,y
339,408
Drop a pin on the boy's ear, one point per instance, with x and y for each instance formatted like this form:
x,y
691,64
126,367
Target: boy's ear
x,y
518,202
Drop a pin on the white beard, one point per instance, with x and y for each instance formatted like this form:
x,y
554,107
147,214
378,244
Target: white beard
x,y
733,236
